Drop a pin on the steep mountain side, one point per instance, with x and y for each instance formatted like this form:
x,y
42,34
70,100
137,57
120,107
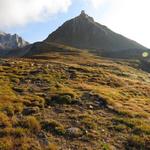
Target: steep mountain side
x,y
83,32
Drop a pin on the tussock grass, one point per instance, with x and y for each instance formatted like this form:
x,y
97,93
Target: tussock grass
x,y
108,100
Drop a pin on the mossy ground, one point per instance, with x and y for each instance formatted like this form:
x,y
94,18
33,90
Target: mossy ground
x,y
108,100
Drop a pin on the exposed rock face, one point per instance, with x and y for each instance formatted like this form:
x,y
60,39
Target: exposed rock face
x,y
83,32
8,41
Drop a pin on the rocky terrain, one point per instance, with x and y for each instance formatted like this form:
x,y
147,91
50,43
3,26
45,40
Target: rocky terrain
x,y
73,100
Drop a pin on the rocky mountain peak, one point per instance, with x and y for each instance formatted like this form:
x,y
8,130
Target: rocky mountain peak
x,y
83,32
8,41
83,16
2,33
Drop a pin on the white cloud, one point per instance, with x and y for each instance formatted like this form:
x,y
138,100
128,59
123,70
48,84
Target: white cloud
x,y
128,17
21,12
95,3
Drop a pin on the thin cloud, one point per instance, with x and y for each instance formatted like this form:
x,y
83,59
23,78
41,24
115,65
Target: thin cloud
x,y
21,12
96,3
128,17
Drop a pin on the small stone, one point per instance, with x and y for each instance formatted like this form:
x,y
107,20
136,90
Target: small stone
x,y
91,107
43,138
110,107
74,132
103,130
86,131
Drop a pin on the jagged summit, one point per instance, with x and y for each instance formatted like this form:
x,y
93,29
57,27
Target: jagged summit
x,y
83,32
83,15
2,33
8,41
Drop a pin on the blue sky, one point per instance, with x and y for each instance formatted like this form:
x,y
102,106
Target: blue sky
x,y
34,20
37,31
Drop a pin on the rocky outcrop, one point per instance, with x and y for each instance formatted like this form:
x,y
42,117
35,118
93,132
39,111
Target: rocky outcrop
x,y
8,41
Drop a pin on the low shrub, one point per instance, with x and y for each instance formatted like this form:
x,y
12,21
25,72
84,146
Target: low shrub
x,y
53,126
26,143
6,144
52,147
18,108
14,132
4,121
60,99
19,89
19,132
31,123
10,110
119,128
142,129
138,142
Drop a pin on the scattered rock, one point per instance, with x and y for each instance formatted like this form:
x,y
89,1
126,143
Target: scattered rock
x,y
43,138
74,132
91,107
31,110
111,108
103,130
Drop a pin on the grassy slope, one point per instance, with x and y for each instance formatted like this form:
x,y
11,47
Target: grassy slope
x,y
107,100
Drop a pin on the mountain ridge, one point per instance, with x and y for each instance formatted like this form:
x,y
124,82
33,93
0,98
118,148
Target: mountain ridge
x,y
83,32
11,41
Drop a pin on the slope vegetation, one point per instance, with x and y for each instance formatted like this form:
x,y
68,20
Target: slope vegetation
x,y
73,100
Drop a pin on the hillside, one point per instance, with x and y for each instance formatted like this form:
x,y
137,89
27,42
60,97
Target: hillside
x,y
73,100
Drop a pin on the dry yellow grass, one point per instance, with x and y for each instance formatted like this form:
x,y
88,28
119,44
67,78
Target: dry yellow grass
x,y
109,101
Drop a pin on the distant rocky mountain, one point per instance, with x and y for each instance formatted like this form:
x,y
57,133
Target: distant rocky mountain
x,y
8,41
83,32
